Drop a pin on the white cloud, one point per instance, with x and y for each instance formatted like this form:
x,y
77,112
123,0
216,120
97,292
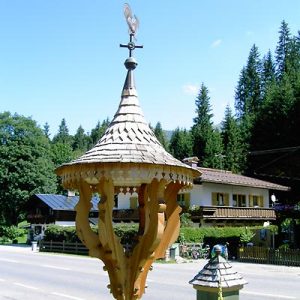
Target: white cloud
x,y
191,89
216,43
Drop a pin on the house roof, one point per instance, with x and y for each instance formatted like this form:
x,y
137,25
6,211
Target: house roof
x,y
227,177
61,202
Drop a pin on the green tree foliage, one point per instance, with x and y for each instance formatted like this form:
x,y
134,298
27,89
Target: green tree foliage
x,y
232,142
283,49
81,142
277,122
160,135
98,131
46,130
268,73
213,151
63,135
25,165
181,144
248,91
202,128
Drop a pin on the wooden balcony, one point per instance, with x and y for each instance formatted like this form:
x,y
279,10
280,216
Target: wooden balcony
x,y
234,213
125,215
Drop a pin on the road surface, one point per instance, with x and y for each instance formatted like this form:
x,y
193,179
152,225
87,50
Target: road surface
x,y
31,275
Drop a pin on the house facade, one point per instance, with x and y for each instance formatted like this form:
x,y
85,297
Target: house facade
x,y
45,209
220,198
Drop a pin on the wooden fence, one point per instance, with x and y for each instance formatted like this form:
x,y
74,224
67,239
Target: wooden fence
x,y
63,247
289,257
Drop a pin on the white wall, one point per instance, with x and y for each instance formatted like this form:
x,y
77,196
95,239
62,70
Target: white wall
x,y
124,198
201,194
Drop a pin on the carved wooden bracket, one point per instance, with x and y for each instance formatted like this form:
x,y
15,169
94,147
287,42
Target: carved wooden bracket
x,y
158,228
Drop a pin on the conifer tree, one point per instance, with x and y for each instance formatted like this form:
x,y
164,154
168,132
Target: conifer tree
x,y
213,151
98,131
63,135
160,135
81,141
233,147
202,128
282,49
46,130
181,145
248,92
268,73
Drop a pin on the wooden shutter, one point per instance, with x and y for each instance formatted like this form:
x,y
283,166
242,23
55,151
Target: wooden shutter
x,y
250,200
214,198
133,202
187,200
226,199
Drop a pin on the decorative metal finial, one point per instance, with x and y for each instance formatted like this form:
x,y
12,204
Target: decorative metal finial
x,y
133,25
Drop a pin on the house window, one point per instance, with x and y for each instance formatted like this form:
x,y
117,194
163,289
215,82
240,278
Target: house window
x,y
183,200
256,201
116,200
239,200
220,199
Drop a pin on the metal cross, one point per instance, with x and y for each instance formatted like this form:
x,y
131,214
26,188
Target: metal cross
x,y
131,45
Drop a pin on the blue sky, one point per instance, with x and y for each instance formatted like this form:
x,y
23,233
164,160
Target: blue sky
x,y
61,58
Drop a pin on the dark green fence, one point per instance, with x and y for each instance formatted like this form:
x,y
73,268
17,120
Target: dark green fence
x,y
289,257
63,247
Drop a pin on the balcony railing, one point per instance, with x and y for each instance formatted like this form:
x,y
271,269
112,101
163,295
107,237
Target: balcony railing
x,y
234,213
125,215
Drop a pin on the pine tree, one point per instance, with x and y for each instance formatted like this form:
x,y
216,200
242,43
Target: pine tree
x,y
63,134
181,145
98,131
214,157
282,49
81,141
233,148
160,135
46,130
248,92
202,128
268,73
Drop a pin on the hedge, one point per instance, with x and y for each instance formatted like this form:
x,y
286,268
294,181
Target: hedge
x,y
60,233
127,233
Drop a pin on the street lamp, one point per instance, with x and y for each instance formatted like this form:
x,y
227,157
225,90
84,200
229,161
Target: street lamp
x,y
273,199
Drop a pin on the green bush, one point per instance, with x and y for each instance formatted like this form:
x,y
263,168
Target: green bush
x,y
126,232
192,235
59,233
9,234
62,233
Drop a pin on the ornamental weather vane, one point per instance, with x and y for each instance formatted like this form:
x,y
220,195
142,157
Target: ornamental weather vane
x,y
133,25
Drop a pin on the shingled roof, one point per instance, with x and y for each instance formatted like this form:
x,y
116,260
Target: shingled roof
x,y
227,177
218,272
128,137
127,142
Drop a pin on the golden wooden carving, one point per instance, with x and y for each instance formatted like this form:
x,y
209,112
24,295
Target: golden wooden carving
x,y
158,228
